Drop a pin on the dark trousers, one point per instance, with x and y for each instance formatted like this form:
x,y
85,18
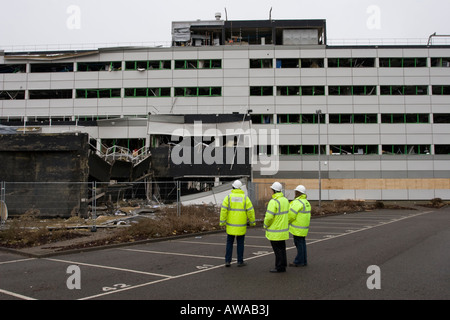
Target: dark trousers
x,y
240,248
279,248
300,243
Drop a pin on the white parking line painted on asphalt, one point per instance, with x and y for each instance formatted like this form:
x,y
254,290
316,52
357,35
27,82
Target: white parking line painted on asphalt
x,y
218,244
16,295
19,260
110,268
173,253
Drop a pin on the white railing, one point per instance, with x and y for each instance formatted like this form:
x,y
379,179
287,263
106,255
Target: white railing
x,y
389,41
441,40
81,46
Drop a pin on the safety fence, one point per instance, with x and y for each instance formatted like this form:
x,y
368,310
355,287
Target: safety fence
x,y
90,199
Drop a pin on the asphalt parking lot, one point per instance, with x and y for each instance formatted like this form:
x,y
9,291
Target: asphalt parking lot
x,y
409,249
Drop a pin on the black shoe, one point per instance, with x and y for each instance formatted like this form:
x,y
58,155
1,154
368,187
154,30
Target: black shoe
x,y
243,264
227,264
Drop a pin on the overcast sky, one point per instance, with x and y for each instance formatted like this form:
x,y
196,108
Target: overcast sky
x,y
30,22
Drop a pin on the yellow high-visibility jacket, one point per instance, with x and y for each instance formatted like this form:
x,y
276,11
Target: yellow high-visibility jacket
x,y
276,221
236,211
299,216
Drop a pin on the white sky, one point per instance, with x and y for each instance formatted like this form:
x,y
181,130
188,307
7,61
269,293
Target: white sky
x,y
31,22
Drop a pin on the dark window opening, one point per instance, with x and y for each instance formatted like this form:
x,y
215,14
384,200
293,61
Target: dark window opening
x,y
97,93
288,63
261,91
99,66
441,118
12,95
13,68
441,90
312,91
311,63
442,149
405,149
440,62
51,67
51,94
261,63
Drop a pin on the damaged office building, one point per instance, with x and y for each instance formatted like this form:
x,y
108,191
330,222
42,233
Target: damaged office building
x,y
381,110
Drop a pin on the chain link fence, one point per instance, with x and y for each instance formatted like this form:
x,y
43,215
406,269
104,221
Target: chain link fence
x,y
91,199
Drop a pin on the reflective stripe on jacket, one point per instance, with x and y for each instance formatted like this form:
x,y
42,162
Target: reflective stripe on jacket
x,y
299,216
276,221
236,211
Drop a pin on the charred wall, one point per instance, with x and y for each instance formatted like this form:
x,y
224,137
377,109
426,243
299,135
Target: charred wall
x,y
28,160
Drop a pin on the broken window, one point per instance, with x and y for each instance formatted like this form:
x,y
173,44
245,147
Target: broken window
x,y
12,95
288,91
312,90
262,118
13,68
353,118
261,91
441,90
97,93
312,149
442,149
340,90
148,65
50,94
366,149
99,66
365,118
261,63
353,150
159,65
289,149
288,118
417,118
404,90
311,63
352,90
147,92
186,64
312,118
440,62
303,91
288,63
364,90
405,149
51,67
210,64
405,118
340,118
403,62
441,118
197,92
351,62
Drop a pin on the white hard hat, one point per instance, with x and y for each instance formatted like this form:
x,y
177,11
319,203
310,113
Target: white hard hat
x,y
276,186
301,189
237,184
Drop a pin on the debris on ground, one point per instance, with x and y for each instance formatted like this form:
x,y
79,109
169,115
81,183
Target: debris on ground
x,y
130,222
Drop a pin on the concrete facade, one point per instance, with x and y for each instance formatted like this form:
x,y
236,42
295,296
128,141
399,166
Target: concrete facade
x,y
380,148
